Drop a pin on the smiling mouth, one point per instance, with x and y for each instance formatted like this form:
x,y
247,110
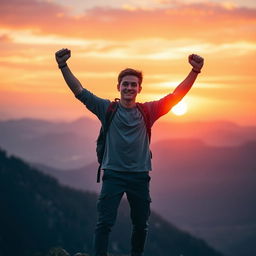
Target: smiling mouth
x,y
130,92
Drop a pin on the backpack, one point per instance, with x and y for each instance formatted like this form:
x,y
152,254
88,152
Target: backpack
x,y
101,140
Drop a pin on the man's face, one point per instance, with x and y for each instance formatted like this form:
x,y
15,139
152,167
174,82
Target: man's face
x,y
129,87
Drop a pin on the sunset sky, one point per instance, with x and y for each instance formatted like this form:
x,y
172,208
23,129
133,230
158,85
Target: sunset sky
x,y
155,36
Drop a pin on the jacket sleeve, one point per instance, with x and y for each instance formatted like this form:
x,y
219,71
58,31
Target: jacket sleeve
x,y
96,105
160,107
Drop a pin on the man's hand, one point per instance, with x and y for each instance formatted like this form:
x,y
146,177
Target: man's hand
x,y
62,56
196,61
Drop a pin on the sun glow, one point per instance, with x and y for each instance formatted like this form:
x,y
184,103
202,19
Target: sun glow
x,y
180,109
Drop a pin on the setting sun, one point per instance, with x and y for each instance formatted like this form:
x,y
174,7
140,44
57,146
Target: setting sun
x,y
180,109
159,46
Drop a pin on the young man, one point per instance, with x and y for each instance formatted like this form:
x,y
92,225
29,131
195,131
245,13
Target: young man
x,y
127,157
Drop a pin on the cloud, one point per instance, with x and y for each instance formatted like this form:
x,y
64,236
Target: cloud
x,y
29,13
205,20
5,38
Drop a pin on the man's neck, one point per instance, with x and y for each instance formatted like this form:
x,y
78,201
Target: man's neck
x,y
127,103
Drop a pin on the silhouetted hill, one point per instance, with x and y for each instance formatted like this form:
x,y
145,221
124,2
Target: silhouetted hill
x,y
37,213
209,190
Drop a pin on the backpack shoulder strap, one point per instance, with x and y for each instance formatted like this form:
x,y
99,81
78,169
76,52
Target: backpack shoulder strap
x,y
111,110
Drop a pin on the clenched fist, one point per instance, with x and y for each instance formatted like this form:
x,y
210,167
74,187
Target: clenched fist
x,y
196,61
62,56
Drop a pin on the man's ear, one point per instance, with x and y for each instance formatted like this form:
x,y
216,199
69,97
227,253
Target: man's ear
x,y
118,87
140,88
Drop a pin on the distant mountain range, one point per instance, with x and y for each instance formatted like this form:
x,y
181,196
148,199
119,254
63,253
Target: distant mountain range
x,y
70,145
203,178
210,191
37,213
61,145
207,190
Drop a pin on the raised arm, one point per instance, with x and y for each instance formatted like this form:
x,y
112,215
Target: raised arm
x,y
161,107
182,89
95,104
61,57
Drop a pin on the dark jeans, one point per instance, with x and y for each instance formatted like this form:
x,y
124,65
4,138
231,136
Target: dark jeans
x,y
136,187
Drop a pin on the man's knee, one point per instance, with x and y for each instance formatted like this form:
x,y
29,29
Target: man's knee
x,y
107,212
104,226
141,214
106,219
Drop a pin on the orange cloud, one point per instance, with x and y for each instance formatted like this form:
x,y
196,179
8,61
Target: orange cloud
x,y
5,38
212,21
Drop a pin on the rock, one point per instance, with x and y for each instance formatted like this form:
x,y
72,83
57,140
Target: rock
x,y
58,252
81,254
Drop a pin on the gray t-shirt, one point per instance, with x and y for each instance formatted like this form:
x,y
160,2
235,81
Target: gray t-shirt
x,y
127,144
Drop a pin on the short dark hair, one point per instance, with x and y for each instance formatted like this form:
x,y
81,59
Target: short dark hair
x,y
130,72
